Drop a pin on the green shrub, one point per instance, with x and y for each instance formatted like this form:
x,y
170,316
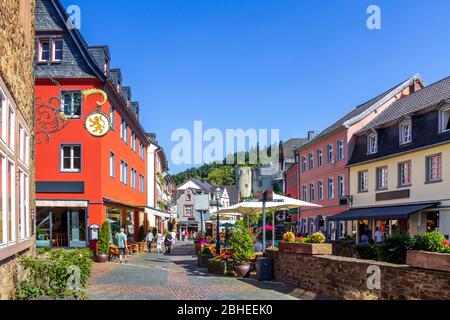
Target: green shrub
x,y
431,241
57,273
104,240
368,251
241,243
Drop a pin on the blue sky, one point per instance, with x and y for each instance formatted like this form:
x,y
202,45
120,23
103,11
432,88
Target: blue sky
x,y
276,64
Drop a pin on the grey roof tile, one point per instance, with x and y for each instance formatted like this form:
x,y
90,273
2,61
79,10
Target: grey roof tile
x,y
419,100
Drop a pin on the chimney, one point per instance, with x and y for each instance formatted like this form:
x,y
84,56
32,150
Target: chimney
x,y
311,135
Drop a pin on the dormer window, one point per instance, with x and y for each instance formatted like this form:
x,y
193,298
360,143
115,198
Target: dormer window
x,y
444,119
372,143
57,50
44,50
405,132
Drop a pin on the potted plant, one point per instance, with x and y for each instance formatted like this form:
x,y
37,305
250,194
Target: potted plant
x,y
103,243
314,244
241,243
204,256
432,251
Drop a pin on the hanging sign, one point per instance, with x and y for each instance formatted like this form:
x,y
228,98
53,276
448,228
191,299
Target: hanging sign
x,y
97,123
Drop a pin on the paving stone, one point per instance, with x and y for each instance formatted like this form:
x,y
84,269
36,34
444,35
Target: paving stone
x,y
153,276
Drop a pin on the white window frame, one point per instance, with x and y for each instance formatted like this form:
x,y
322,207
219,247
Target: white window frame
x,y
13,197
330,154
402,173
40,41
382,178
4,115
372,143
442,125
404,133
4,196
330,188
319,157
72,157
304,164
340,150
11,127
141,150
320,190
73,114
429,168
305,192
22,215
311,192
133,141
341,186
124,131
112,117
363,179
123,172
112,164
133,178
311,161
54,40
141,183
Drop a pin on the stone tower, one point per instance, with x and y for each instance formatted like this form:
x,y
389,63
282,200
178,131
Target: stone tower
x,y
244,181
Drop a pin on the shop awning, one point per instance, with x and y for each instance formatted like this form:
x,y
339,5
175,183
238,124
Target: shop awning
x,y
158,213
61,204
381,213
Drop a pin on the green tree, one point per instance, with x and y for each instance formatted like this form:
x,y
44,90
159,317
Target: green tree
x,y
221,176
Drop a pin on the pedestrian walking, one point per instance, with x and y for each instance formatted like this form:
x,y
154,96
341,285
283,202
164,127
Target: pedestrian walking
x,y
149,239
174,237
168,241
123,243
159,242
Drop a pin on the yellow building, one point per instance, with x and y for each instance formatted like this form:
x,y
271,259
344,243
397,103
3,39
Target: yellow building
x,y
400,167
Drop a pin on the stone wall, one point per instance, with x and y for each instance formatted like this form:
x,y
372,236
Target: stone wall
x,y
346,278
16,72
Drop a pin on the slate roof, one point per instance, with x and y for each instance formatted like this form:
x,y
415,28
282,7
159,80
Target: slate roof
x,y
233,193
203,184
290,145
339,124
419,100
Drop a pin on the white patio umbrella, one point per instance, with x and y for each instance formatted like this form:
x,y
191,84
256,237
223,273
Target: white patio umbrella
x,y
279,203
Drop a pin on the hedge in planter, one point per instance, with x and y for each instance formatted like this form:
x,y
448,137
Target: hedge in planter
x,y
313,244
57,274
431,251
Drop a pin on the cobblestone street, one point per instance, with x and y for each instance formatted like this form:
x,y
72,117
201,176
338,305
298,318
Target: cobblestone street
x,y
152,276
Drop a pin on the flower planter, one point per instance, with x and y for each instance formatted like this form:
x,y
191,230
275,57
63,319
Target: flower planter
x,y
428,260
242,269
101,257
306,248
203,260
219,267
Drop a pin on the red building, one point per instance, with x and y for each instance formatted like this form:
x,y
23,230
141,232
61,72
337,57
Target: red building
x,y
322,163
83,176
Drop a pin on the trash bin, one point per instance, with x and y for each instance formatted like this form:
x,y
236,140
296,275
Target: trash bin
x,y
264,269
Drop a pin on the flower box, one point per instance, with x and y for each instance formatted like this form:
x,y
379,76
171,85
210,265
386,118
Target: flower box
x,y
428,260
306,248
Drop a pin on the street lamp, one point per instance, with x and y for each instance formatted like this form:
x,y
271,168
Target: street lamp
x,y
217,194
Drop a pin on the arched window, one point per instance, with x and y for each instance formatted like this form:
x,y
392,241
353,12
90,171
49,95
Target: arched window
x,y
405,131
372,143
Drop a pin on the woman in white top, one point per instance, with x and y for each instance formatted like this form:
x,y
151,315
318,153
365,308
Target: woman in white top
x,y
159,242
